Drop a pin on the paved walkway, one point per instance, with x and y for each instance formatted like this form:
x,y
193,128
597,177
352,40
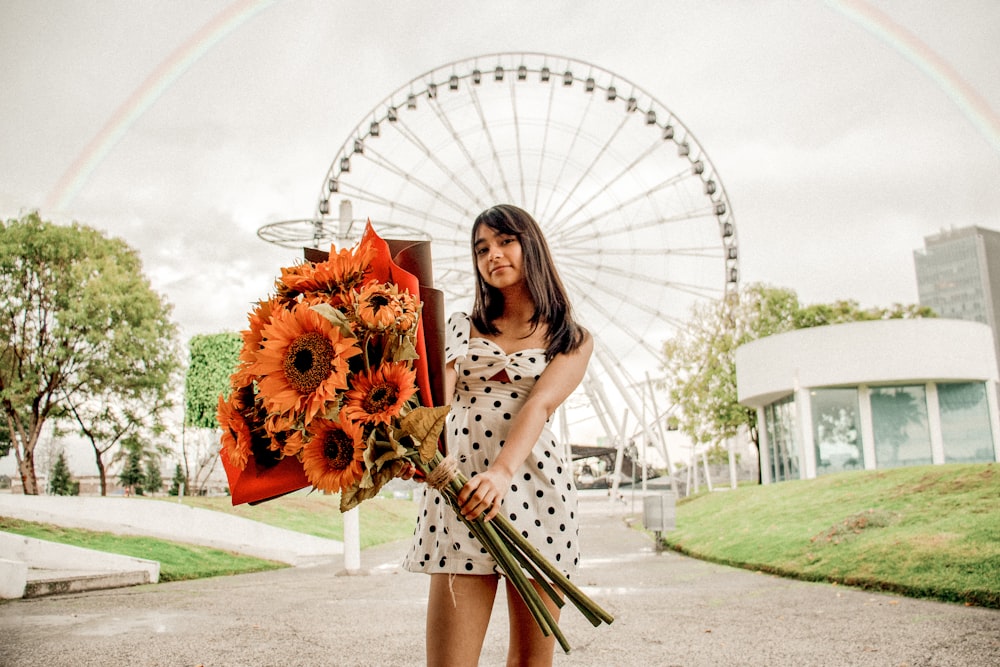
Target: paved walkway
x,y
669,609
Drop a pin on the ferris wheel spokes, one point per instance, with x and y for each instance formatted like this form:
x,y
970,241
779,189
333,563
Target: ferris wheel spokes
x,y
634,211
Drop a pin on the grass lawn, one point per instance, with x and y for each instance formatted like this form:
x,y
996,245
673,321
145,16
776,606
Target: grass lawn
x,y
382,519
929,531
177,561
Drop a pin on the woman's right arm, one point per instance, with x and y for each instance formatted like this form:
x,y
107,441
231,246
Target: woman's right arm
x,y
450,380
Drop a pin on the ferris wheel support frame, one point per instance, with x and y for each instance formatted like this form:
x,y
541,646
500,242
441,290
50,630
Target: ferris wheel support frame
x,y
612,371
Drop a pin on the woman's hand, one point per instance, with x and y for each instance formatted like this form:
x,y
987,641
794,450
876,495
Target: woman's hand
x,y
482,494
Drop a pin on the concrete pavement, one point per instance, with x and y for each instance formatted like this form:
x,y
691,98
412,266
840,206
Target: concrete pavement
x,y
669,609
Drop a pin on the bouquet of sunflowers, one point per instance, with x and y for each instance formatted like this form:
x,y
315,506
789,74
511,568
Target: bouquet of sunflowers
x,y
325,394
335,389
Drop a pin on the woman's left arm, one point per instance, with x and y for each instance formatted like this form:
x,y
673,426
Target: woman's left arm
x,y
561,376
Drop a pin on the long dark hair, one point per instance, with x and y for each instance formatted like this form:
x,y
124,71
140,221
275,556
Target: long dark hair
x,y
552,306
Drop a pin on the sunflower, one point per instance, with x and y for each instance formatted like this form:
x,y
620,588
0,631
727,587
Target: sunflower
x,y
289,443
333,458
338,275
235,431
294,277
258,318
377,306
302,362
378,395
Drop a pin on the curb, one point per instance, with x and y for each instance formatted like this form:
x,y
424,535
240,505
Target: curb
x,y
31,568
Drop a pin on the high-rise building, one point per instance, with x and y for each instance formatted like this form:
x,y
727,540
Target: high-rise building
x,y
958,275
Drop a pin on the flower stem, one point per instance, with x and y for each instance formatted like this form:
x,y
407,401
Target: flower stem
x,y
515,555
594,613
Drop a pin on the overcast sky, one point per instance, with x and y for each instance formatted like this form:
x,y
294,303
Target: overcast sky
x,y
844,131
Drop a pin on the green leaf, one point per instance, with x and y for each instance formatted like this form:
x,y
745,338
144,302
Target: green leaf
x,y
424,425
334,317
405,351
382,450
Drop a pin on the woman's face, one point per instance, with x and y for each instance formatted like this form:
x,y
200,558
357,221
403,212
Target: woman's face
x,y
498,258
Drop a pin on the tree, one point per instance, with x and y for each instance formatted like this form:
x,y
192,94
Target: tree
x,y
61,480
213,358
178,482
134,407
78,320
700,360
154,478
131,476
839,312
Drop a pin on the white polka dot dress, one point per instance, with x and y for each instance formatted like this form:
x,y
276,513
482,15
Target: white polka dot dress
x,y
542,500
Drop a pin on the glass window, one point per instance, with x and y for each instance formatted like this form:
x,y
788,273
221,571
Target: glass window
x,y
781,439
965,423
836,430
899,419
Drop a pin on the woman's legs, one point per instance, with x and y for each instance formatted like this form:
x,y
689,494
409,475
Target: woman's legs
x,y
458,612
528,646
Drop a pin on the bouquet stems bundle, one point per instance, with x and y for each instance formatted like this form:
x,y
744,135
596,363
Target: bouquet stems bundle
x,y
519,560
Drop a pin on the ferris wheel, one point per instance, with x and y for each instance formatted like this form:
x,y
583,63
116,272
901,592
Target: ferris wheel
x,y
635,213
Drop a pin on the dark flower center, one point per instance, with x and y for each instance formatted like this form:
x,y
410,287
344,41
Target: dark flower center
x,y
378,301
338,448
381,397
308,362
260,445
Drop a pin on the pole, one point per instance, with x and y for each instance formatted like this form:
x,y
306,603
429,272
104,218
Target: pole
x,y
352,541
662,436
732,464
708,473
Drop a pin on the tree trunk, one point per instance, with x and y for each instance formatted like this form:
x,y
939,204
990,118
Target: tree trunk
x,y
101,471
26,466
755,439
23,445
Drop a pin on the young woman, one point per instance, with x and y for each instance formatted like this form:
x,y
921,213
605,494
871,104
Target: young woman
x,y
509,366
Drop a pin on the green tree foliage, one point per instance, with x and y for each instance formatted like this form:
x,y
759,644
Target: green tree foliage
x,y
154,478
132,477
700,360
840,312
60,480
213,358
177,482
78,323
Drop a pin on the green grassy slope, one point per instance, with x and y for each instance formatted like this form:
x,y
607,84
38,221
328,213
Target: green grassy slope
x,y
930,531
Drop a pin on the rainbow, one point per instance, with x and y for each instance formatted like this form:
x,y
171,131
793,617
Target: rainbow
x,y
972,105
158,81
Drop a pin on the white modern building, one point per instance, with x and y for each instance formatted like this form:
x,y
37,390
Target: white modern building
x,y
868,395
